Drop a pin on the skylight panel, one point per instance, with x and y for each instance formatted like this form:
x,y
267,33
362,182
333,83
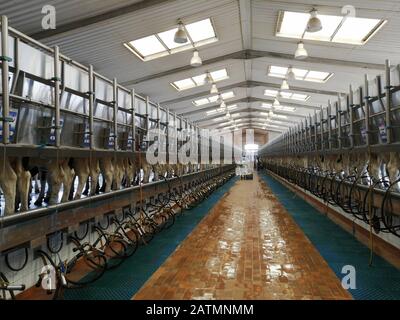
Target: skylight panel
x,y
300,74
293,24
338,29
285,108
297,96
219,75
200,80
212,99
280,116
162,44
317,76
220,110
201,102
271,93
266,105
278,71
287,95
201,30
227,95
148,45
184,84
355,30
279,108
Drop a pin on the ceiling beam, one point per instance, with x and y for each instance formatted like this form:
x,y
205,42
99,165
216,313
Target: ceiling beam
x,y
248,100
251,84
254,54
216,124
234,55
115,13
227,123
244,124
251,126
249,110
245,23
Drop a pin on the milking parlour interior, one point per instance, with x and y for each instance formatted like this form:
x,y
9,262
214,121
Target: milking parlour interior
x,y
175,150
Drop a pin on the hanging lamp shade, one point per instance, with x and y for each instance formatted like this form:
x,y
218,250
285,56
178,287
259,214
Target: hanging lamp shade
x,y
301,52
180,34
290,74
285,85
196,60
208,78
214,89
314,23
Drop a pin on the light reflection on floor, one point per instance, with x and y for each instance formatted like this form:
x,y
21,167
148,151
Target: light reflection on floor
x,y
248,247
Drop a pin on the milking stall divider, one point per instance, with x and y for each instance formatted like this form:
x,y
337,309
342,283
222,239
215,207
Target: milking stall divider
x,y
54,107
348,155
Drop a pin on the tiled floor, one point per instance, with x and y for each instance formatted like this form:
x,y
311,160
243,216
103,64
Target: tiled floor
x,y
248,247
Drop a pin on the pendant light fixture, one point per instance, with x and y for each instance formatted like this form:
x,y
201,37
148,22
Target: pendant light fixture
x,y
314,23
214,89
285,85
180,34
208,78
196,60
290,74
301,52
223,105
276,103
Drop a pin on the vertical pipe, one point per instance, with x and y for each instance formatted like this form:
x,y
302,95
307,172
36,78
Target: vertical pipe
x,y
147,113
56,79
91,107
339,121
175,138
167,138
133,127
158,127
388,102
367,111
328,114
351,116
5,90
315,131
321,127
309,142
115,113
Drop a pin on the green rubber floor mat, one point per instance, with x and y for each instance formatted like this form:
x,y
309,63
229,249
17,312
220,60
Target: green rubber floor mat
x,y
381,281
123,282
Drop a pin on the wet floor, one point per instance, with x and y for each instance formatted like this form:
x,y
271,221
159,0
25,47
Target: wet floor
x,y
247,247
